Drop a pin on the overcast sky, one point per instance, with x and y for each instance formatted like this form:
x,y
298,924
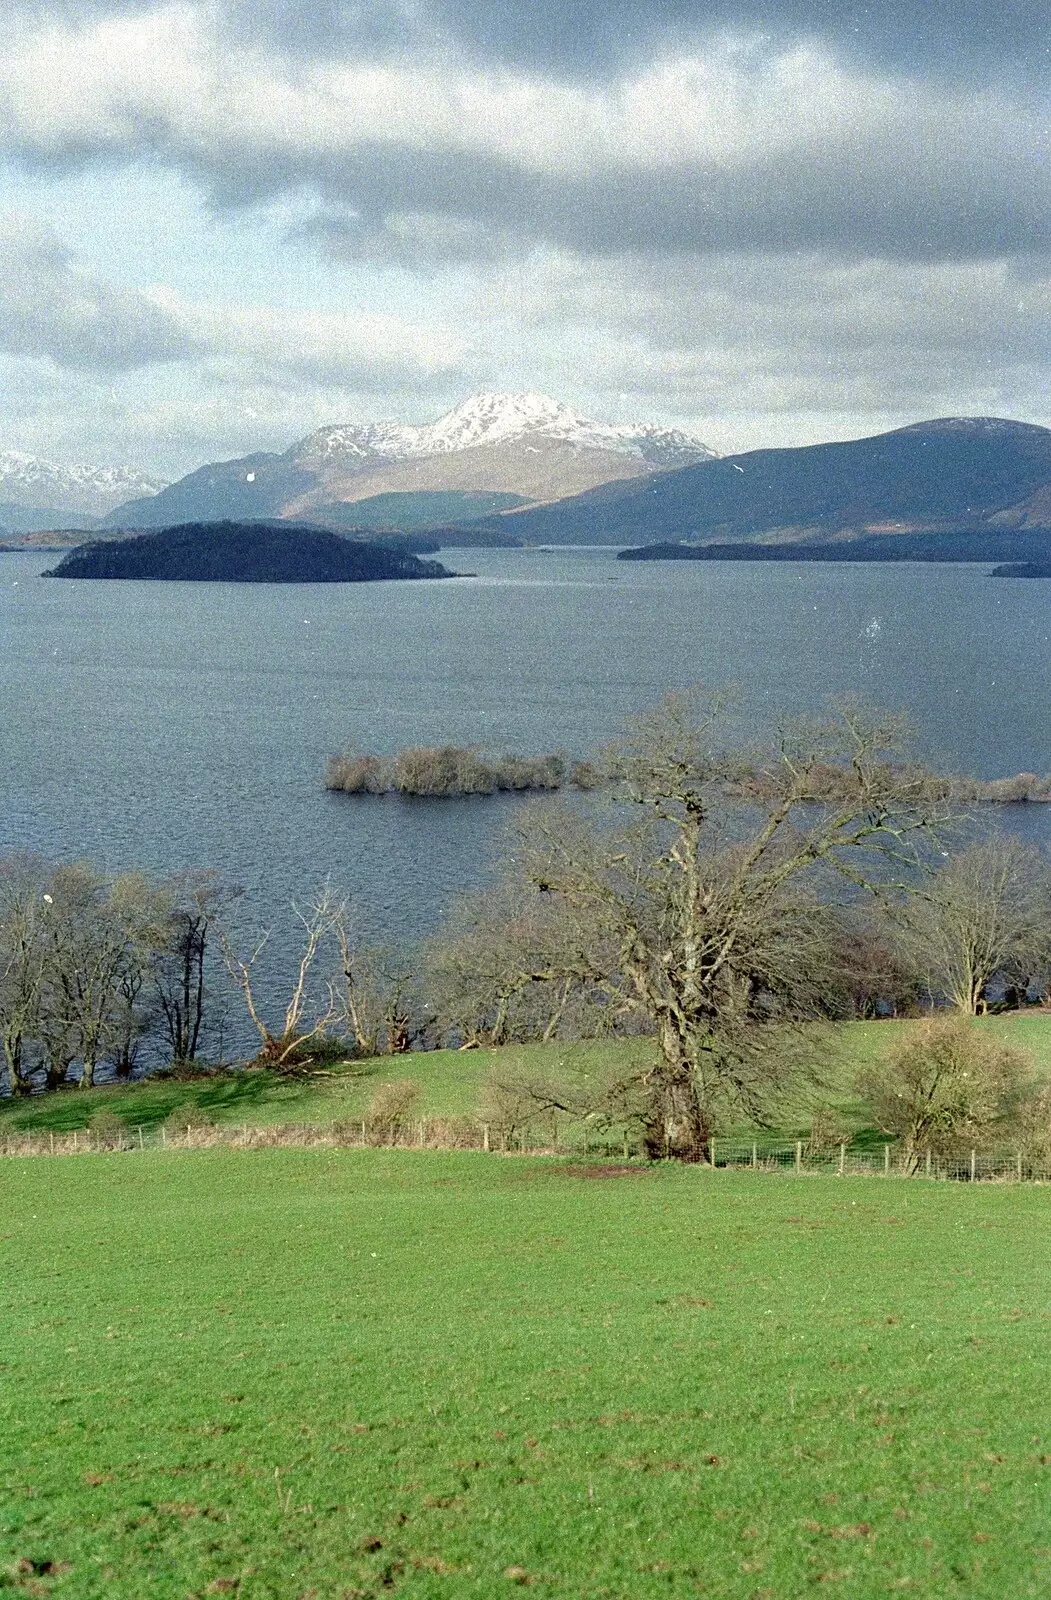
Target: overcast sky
x,y
227,222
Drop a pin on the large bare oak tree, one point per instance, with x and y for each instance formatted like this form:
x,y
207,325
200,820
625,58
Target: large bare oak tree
x,y
711,913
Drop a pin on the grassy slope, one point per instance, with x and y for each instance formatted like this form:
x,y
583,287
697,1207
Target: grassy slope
x,y
328,1373
450,1080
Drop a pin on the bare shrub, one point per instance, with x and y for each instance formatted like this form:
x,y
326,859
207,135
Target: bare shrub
x,y
352,774
109,1131
827,1132
1034,1128
185,1117
530,772
1022,787
446,770
947,1088
505,1106
586,775
441,770
390,1109
513,964
451,1133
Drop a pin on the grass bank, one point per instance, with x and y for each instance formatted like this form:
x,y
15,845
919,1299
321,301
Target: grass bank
x,y
337,1374
450,1081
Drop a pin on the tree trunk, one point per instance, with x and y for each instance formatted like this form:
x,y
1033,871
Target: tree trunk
x,y
16,1082
56,1074
676,1124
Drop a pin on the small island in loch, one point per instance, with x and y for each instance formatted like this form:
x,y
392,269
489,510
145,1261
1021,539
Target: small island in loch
x,y
243,552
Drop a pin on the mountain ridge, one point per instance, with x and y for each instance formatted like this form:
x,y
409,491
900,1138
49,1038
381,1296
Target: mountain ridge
x,y
945,474
492,442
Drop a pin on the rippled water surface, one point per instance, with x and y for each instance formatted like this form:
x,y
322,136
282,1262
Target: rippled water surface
x,y
167,725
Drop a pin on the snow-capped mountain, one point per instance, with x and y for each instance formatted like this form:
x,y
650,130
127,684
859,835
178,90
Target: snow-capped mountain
x,y
496,419
30,481
523,448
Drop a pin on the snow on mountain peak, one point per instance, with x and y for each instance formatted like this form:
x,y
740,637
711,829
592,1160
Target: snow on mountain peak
x,y
492,418
31,481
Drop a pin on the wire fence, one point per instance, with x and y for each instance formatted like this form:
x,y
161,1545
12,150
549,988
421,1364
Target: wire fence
x,y
890,1160
761,1155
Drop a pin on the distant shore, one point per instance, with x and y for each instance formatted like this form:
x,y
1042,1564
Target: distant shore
x,y
982,546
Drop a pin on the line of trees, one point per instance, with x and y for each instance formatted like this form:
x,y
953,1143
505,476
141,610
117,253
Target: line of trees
x,y
93,967
717,898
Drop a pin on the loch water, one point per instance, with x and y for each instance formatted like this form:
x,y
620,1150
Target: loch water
x,y
167,725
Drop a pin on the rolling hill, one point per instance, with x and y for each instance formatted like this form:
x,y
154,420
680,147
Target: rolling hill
x,y
955,474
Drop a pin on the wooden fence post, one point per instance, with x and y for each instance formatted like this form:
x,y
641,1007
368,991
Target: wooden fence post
x,y
1018,1163
799,1155
755,1154
842,1159
886,1160
711,1152
485,1135
974,1164
626,1151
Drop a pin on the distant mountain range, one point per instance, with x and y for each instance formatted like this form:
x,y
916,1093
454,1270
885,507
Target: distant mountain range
x,y
952,475
523,468
31,488
523,448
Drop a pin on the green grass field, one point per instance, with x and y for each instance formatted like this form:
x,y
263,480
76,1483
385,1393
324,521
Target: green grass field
x,y
333,1373
450,1081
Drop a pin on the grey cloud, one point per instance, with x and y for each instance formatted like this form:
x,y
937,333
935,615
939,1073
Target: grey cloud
x,y
50,309
859,165
950,38
895,202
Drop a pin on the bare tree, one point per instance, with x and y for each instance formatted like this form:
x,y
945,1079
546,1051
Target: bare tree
x,y
948,1087
714,903
278,1046
24,906
377,999
197,904
513,965
100,936
982,918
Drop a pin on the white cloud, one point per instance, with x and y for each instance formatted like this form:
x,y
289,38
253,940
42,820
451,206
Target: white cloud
x,y
49,307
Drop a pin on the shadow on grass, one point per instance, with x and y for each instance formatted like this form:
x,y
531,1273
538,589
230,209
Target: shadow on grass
x,y
147,1103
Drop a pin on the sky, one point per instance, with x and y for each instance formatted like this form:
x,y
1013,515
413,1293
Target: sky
x,y
228,222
